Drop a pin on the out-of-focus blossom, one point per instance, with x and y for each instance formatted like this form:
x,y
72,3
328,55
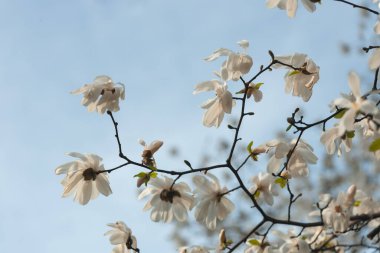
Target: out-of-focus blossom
x,y
264,186
333,140
122,237
298,163
236,65
193,249
291,5
102,95
253,90
353,104
212,203
149,151
254,246
83,178
217,106
301,81
168,200
292,243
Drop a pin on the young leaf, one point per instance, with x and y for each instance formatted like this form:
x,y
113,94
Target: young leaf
x,y
254,242
294,72
375,145
281,182
340,114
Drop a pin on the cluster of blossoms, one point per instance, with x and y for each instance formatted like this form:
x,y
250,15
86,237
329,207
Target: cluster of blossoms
x,y
236,65
170,200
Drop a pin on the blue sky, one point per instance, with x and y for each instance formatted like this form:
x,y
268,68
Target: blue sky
x,y
49,48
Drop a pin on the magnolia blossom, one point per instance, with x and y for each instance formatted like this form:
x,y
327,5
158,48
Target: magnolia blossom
x,y
292,243
302,80
212,204
264,185
149,151
291,5
168,200
236,65
374,60
333,139
83,178
364,204
376,28
122,237
193,249
217,106
298,163
102,95
337,214
354,104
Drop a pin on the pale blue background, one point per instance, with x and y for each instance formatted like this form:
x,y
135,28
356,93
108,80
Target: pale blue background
x,y
155,47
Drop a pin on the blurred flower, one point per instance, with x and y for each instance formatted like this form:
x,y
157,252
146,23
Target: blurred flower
x,y
292,243
122,237
354,104
193,249
337,214
300,81
102,95
254,246
264,185
83,178
236,65
217,106
333,139
212,204
298,163
149,151
168,199
291,5
374,60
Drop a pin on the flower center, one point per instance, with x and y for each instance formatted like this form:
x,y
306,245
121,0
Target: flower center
x,y
168,195
112,90
89,174
338,209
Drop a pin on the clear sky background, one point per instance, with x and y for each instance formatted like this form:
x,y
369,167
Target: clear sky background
x,y
155,47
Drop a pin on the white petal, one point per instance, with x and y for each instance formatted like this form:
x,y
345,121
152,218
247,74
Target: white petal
x,y
354,83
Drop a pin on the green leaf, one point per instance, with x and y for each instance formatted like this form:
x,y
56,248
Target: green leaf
x,y
229,242
153,174
357,203
350,134
140,175
258,85
288,128
257,194
254,242
294,72
340,114
249,147
281,182
375,145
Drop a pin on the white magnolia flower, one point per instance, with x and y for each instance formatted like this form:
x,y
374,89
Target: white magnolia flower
x,y
364,204
300,81
236,65
102,95
149,151
193,249
212,203
264,185
337,214
354,104
217,106
83,178
292,243
376,28
122,237
317,237
374,60
168,200
291,5
298,163
370,125
333,139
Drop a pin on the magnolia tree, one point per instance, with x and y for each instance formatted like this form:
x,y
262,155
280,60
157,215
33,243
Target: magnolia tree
x,y
339,222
